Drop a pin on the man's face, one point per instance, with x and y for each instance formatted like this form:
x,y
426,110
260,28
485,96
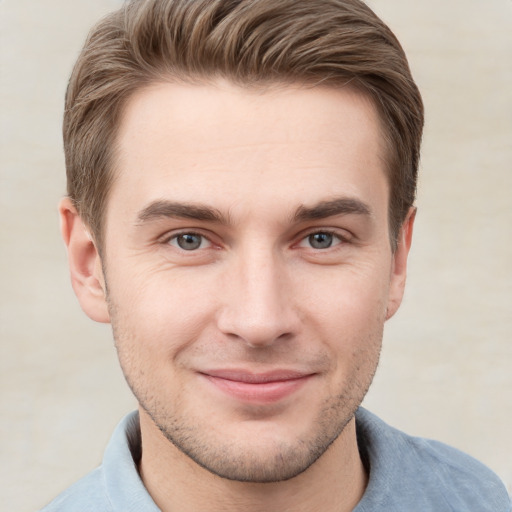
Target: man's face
x,y
249,269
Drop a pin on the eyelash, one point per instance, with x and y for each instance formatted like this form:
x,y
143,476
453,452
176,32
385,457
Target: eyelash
x,y
175,237
341,240
335,234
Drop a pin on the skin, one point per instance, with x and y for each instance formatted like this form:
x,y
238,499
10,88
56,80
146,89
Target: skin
x,y
246,240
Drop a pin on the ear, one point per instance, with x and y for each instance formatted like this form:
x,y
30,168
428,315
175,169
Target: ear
x,y
84,263
399,264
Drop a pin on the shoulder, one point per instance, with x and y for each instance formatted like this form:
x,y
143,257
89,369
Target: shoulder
x,y
461,480
116,484
426,475
87,494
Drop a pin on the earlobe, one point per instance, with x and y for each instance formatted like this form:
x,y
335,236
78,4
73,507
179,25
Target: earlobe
x,y
399,264
84,263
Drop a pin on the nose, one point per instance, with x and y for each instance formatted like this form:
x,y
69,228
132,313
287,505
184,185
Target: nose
x,y
258,308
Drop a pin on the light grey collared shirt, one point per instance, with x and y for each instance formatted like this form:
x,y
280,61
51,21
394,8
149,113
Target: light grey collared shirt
x,y
406,474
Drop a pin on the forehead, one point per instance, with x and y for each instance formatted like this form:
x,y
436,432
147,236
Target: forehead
x,y
220,142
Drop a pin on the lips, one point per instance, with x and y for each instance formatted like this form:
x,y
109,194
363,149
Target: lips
x,y
267,387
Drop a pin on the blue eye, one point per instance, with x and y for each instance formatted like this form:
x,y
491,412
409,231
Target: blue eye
x,y
321,240
189,241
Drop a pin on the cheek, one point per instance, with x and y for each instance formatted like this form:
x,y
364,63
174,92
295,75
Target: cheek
x,y
156,314
350,299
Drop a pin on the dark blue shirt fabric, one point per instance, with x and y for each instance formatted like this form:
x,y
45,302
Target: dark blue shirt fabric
x,y
407,474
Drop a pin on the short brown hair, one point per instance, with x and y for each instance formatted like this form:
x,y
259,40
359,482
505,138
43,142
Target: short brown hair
x,y
249,42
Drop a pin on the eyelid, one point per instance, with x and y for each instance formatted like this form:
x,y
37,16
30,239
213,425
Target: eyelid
x,y
203,244
343,236
330,231
173,235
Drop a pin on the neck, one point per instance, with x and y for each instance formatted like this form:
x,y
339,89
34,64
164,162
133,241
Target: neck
x,y
335,482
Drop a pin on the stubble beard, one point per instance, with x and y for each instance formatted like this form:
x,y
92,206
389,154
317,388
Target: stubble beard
x,y
248,462
281,461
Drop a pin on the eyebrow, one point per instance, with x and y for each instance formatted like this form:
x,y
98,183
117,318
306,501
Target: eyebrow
x,y
338,206
169,209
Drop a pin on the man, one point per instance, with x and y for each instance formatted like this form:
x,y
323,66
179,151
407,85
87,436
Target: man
x,y
241,182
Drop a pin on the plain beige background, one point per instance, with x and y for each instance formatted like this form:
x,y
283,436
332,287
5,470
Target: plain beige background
x,y
446,370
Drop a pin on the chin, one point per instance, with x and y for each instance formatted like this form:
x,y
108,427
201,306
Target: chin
x,y
263,452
